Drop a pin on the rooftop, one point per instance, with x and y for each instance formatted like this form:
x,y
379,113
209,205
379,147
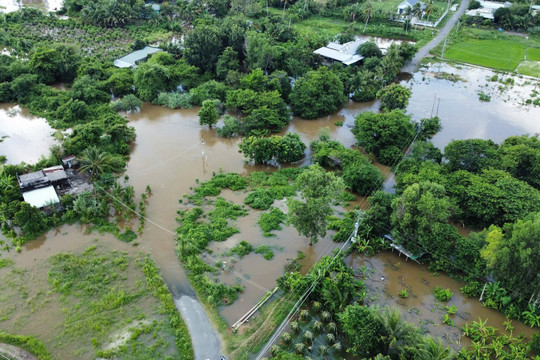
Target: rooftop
x,y
131,60
344,53
41,197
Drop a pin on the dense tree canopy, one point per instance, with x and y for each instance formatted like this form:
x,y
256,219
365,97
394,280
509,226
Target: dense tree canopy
x,y
318,93
386,135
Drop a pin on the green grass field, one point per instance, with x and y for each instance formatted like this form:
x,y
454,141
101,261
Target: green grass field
x,y
497,54
533,54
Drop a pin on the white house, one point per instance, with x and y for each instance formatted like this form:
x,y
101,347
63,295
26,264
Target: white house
x,y
487,9
409,4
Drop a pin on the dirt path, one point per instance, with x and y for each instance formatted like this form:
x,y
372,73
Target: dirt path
x,y
12,352
411,66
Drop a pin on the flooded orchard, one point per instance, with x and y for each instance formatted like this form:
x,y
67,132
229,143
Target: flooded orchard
x,y
172,150
387,273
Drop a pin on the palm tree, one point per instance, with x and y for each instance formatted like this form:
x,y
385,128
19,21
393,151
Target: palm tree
x,y
96,162
326,316
367,13
299,348
304,315
428,10
434,350
323,350
295,327
308,337
286,338
338,347
332,327
330,338
397,335
316,307
317,327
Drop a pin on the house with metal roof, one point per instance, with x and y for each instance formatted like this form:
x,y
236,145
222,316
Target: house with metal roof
x,y
41,197
131,60
343,53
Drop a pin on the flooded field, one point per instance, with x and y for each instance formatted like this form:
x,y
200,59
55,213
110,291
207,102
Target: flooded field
x,y
172,150
462,114
14,5
386,274
23,137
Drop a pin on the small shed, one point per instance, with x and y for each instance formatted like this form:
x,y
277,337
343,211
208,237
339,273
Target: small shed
x,y
41,197
131,60
70,161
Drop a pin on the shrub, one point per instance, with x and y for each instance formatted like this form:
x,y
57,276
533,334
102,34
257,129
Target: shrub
x,y
127,103
242,249
266,252
271,221
442,294
174,100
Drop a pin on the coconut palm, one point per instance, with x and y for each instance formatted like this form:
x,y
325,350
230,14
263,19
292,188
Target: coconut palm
x,y
332,327
330,338
274,350
434,350
295,327
429,9
308,337
326,316
367,13
96,162
316,307
299,348
286,338
397,335
338,347
323,350
317,327
304,315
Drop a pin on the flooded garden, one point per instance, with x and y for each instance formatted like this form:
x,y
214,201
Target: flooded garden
x,y
172,154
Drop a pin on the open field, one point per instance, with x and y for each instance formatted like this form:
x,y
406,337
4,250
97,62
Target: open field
x,y
493,49
497,54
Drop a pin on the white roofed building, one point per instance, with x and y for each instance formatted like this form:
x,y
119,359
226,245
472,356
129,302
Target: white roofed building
x,y
343,53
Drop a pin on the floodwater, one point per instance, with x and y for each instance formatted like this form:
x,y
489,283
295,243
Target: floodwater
x,y
172,150
23,137
462,114
386,274
8,6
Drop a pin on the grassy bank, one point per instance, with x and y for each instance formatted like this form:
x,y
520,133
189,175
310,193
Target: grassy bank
x,y
28,343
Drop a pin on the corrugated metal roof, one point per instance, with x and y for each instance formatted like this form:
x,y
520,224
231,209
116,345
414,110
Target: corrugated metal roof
x,y
31,176
131,60
41,197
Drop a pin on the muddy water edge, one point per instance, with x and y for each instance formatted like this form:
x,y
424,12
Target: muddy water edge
x,y
172,150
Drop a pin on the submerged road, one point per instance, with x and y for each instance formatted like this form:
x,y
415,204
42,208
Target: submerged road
x,y
412,65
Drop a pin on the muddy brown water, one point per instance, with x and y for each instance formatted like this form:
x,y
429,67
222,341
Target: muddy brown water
x,y
172,150
25,137
388,273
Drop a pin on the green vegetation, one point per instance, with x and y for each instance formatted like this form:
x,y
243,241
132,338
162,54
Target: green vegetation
x,y
271,221
493,49
283,149
265,251
497,54
403,294
242,249
443,295
28,343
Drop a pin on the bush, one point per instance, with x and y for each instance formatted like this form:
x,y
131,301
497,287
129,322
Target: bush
x,y
266,252
271,221
475,4
442,294
242,249
369,49
231,127
127,103
174,100
260,199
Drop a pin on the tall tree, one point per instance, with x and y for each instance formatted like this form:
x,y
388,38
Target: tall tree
x,y
367,13
317,190
96,162
208,114
513,256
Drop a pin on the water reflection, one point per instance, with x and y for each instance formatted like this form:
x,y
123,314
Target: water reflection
x,y
25,137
